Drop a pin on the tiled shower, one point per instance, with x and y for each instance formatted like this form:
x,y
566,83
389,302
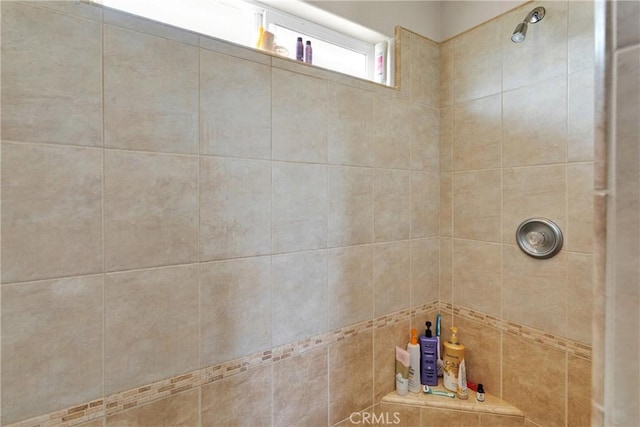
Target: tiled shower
x,y
195,233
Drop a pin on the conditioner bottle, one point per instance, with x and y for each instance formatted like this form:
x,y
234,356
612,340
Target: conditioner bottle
x,y
453,355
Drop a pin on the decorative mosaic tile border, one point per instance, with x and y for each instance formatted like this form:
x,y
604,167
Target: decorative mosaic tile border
x,y
572,347
138,396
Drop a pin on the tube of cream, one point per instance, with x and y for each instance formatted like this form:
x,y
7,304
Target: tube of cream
x,y
403,360
462,391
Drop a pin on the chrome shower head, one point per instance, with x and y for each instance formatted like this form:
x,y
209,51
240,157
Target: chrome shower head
x,y
532,17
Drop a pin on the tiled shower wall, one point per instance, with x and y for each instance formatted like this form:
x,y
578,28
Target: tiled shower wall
x,y
172,202
517,142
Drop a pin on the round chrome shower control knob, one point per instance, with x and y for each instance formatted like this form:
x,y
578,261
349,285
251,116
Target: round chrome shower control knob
x,y
536,238
539,238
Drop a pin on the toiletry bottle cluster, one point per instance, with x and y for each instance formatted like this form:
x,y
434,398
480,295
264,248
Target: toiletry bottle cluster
x,y
304,53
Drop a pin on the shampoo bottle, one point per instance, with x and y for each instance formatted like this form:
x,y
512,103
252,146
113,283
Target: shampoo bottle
x,y
453,355
429,353
414,366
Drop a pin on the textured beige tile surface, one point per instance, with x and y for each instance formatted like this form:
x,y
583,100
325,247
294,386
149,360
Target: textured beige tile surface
x,y
578,392
235,208
299,207
437,417
425,271
228,86
425,138
391,130
425,206
627,16
158,112
300,390
181,410
385,341
579,296
391,205
581,35
51,345
151,326
477,135
446,73
477,276
579,232
299,117
425,70
350,206
40,103
580,116
150,210
399,415
391,277
477,198
51,211
299,296
446,269
446,204
242,324
350,276
446,139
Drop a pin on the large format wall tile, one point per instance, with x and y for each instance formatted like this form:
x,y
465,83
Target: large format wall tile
x,y
299,296
425,138
446,139
299,117
446,204
350,285
300,390
425,70
235,308
446,72
51,211
581,35
425,271
425,204
391,205
235,208
349,134
51,78
385,341
51,346
579,296
580,116
391,277
477,134
579,389
228,86
476,205
350,376
150,93
391,133
476,275
150,210
151,325
350,206
180,410
580,207
299,207
535,124
240,400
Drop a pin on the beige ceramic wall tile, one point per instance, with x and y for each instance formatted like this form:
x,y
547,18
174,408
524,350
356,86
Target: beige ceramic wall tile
x,y
51,211
299,207
350,285
151,326
403,64
580,117
487,420
241,399
425,138
158,112
242,325
425,206
438,417
299,296
543,55
579,296
535,124
446,204
579,233
425,71
477,63
99,422
391,205
425,271
627,16
350,206
150,27
79,9
300,390
391,133
235,208
51,346
299,117
235,50
578,392
229,86
531,364
180,410
446,139
476,205
581,35
40,103
398,415
446,269
483,358
533,192
446,73
150,210
391,277
477,134
349,134
350,376
534,291
477,275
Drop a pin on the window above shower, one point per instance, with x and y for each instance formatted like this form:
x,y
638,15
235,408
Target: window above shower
x,y
238,21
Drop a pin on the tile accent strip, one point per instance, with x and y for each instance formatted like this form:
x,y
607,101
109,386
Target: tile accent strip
x,y
138,396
